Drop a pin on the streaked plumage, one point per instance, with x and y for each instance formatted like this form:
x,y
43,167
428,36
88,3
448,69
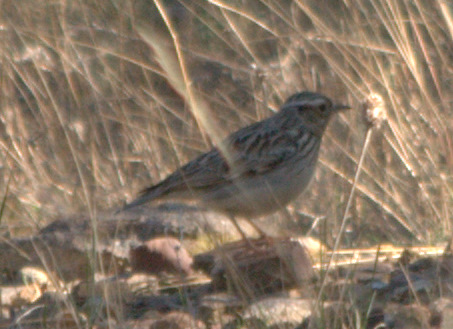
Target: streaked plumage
x,y
266,165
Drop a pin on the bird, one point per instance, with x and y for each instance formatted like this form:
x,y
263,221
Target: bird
x,y
256,170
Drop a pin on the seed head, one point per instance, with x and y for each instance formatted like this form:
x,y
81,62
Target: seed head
x,y
374,110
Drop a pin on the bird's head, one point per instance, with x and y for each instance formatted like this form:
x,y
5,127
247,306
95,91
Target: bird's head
x,y
312,109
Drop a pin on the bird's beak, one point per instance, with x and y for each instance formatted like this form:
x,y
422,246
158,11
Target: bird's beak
x,y
341,107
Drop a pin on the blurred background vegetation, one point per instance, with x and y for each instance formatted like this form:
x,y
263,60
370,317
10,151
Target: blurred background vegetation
x,y
102,98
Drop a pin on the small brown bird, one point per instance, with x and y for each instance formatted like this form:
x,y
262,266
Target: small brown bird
x,y
258,169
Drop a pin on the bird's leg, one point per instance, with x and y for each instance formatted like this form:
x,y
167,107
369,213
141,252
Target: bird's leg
x,y
261,233
238,228
244,236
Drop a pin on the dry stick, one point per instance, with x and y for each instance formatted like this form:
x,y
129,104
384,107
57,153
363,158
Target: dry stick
x,y
374,116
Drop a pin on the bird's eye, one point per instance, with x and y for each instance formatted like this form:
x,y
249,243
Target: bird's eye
x,y
323,107
301,108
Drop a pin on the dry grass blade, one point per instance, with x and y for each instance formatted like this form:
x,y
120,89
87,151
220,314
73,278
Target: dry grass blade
x,y
374,115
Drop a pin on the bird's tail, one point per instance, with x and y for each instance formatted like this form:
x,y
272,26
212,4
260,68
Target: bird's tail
x,y
146,195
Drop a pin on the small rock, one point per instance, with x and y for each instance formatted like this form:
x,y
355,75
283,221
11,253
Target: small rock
x,y
408,316
161,255
279,311
263,265
176,320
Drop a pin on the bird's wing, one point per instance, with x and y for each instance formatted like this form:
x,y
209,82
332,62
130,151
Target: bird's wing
x,y
253,150
258,151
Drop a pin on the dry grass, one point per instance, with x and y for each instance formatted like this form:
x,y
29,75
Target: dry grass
x,y
99,99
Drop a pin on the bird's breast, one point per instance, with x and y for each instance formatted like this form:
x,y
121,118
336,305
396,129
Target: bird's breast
x,y
263,194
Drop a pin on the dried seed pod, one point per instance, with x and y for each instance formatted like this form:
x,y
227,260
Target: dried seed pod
x,y
374,110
